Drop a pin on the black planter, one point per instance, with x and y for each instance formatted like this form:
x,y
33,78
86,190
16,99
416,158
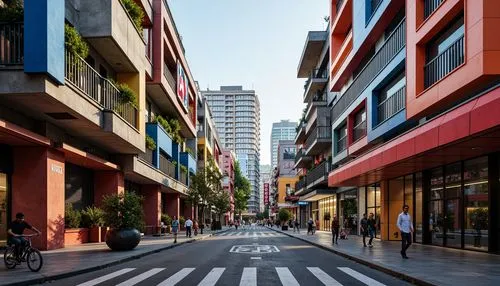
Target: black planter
x,y
123,239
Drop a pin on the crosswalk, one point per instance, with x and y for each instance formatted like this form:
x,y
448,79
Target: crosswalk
x,y
248,277
251,234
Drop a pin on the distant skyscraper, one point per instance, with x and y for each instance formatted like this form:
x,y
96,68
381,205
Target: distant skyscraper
x,y
284,130
236,113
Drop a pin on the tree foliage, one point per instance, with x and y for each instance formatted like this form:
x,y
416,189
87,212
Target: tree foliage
x,y
242,190
123,211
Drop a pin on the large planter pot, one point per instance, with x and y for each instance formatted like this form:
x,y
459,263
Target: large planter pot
x,y
123,239
76,236
95,234
104,231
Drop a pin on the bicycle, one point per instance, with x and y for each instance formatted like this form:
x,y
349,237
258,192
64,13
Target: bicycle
x,y
31,255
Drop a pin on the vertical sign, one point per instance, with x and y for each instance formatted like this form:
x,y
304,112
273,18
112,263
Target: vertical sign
x,y
266,193
182,86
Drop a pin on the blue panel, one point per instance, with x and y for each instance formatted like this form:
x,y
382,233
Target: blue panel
x,y
175,157
188,161
162,140
387,126
362,26
44,38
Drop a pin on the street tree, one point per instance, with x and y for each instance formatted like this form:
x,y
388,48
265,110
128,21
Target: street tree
x,y
221,203
199,191
241,190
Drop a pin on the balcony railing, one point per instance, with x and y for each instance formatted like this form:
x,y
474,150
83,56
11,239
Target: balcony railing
x,y
170,78
316,73
444,63
147,156
430,6
394,44
173,24
300,154
100,89
391,105
167,167
300,184
320,132
11,44
183,177
318,172
341,144
359,131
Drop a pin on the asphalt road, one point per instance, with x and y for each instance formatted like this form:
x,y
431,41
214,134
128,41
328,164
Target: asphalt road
x,y
251,256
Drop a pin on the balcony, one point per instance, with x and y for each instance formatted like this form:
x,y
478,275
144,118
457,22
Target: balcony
x,y
315,83
359,131
166,166
300,185
391,105
106,25
311,52
187,159
301,134
79,73
430,6
392,46
11,44
319,99
183,178
444,63
319,140
318,175
162,140
373,6
147,156
301,159
172,82
341,145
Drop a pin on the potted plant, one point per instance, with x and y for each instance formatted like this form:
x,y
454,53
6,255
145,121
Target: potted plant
x,y
93,219
284,215
123,213
167,222
73,233
182,220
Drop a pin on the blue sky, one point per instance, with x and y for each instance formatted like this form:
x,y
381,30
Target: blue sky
x,y
253,43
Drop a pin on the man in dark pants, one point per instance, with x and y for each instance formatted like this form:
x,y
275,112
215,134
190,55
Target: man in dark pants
x,y
364,228
16,231
335,229
405,225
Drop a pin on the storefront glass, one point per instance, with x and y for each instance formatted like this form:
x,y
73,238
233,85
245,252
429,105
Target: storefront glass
x,y
373,204
79,186
476,204
453,222
3,209
418,208
349,211
436,213
327,209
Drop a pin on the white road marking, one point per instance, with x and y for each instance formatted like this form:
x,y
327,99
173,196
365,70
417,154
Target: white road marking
x,y
361,277
174,279
249,277
286,277
212,277
323,277
141,277
256,258
106,277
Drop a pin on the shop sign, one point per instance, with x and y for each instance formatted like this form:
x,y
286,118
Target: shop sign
x,y
303,203
266,193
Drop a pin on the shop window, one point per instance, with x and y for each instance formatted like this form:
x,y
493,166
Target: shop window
x,y
476,204
79,186
436,213
418,225
373,204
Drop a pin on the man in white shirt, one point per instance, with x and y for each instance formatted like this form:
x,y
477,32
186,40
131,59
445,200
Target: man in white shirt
x,y
405,225
188,224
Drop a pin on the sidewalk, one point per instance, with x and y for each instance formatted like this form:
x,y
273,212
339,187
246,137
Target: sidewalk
x,y
89,257
428,265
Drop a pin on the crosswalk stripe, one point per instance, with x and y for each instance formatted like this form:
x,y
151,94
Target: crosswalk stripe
x,y
323,277
254,234
174,279
233,234
249,277
286,277
247,233
361,277
212,277
106,277
141,277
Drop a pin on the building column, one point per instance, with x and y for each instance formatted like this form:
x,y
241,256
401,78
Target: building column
x,y
151,204
107,183
38,192
173,205
188,211
384,211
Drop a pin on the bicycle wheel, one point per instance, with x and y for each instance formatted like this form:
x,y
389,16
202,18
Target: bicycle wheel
x,y
9,258
35,260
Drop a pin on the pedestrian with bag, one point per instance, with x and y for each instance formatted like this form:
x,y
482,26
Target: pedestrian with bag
x,y
175,228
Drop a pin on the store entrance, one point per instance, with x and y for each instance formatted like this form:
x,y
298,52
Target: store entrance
x,y
4,208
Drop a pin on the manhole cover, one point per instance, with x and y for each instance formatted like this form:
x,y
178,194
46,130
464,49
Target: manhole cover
x,y
254,249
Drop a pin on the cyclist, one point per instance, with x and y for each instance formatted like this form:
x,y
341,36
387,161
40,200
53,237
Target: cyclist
x,y
16,231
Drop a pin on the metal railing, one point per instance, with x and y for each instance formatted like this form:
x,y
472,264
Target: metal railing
x,y
316,73
170,77
147,156
341,144
319,97
300,154
183,177
392,46
430,6
391,105
173,24
100,89
318,172
338,5
319,132
444,63
166,166
300,184
359,131
11,44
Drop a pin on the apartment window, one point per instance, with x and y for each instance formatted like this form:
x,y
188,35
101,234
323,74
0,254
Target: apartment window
x,y
371,7
391,98
341,143
359,129
445,52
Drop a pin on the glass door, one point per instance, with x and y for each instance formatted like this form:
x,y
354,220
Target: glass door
x,y
3,209
452,219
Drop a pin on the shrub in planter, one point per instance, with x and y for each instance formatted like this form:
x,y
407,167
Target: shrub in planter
x,y
12,12
72,217
182,220
150,143
74,43
124,214
284,215
127,94
93,218
135,12
167,221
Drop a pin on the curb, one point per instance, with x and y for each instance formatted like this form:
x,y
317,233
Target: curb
x,y
106,265
411,279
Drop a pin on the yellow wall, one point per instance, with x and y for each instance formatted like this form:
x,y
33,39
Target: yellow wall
x,y
282,182
137,82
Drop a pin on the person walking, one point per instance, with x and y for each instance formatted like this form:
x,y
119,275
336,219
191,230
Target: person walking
x,y
335,230
364,228
310,223
188,225
296,225
371,229
175,228
405,225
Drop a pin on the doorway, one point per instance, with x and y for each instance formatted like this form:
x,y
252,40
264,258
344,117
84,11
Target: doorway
x,y
4,208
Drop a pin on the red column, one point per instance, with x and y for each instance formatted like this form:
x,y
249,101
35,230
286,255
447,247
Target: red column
x,y
151,204
188,210
38,192
107,183
173,205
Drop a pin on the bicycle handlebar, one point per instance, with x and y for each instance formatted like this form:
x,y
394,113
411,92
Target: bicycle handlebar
x,y
29,235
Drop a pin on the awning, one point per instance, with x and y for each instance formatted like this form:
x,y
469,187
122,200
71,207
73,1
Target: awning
x,y
317,195
13,135
85,159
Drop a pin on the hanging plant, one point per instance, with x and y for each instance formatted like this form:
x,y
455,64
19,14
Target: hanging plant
x,y
190,151
135,12
150,143
127,95
12,12
74,42
184,169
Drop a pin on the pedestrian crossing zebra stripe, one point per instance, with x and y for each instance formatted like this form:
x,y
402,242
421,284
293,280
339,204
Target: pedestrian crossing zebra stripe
x,y
323,277
249,277
361,277
141,277
177,277
286,277
106,277
212,277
